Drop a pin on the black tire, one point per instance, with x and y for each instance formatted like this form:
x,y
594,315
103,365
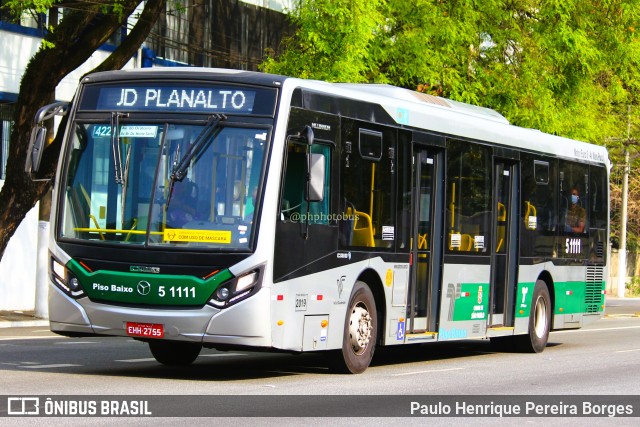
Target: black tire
x,y
539,321
360,333
174,353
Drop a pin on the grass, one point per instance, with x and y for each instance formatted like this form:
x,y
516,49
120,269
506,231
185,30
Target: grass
x,y
633,287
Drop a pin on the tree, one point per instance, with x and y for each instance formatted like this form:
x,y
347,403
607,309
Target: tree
x,y
333,41
196,16
569,67
561,66
85,26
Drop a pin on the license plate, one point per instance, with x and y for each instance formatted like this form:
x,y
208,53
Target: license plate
x,y
146,330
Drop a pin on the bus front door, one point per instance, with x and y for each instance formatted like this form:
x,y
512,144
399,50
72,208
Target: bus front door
x,y
426,248
505,249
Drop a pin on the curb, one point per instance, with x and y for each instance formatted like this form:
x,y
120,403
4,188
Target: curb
x,y
612,316
23,323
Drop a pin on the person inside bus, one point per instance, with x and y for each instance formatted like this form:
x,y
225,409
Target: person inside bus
x,y
182,205
576,214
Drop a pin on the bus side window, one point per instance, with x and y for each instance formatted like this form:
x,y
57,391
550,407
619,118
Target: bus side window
x,y
598,197
293,206
468,200
367,180
574,178
538,223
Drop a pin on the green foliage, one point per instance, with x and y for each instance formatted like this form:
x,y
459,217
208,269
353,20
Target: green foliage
x,y
633,288
19,7
567,67
333,42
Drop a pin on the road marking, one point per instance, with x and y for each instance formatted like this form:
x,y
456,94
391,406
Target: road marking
x,y
57,365
151,359
223,355
286,372
28,338
628,351
76,342
596,330
427,371
148,359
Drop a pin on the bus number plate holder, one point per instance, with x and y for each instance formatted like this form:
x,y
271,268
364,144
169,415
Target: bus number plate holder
x,y
146,330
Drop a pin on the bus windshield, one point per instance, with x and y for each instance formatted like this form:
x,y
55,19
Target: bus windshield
x,y
123,184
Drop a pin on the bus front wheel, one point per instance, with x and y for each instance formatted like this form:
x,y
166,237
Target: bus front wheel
x,y
539,321
360,333
174,353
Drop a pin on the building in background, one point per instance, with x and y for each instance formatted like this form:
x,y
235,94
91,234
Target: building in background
x,y
210,33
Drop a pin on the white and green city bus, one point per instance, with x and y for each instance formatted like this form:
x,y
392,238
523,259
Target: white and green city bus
x,y
229,209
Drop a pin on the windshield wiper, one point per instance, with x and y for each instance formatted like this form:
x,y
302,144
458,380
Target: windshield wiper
x,y
115,145
180,171
209,131
125,180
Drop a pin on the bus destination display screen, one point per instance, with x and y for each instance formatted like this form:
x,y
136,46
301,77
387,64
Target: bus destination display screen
x,y
178,97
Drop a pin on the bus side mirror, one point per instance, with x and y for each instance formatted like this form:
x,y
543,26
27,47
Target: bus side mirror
x,y
308,135
37,142
38,138
315,183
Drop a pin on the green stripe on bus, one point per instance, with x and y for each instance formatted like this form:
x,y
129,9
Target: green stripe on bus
x,y
523,299
579,297
569,298
472,300
148,289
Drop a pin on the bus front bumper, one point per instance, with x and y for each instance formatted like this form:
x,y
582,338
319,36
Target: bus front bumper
x,y
242,324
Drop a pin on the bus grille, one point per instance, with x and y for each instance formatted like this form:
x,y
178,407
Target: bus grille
x,y
593,289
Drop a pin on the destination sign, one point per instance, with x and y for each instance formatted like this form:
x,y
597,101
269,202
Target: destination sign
x,y
179,97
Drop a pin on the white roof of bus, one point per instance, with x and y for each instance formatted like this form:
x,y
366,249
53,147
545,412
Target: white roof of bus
x,y
417,110
442,115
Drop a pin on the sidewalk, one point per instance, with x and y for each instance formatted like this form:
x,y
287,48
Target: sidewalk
x,y
16,319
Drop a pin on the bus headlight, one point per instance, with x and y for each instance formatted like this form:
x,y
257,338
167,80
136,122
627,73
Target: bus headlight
x,y
246,281
65,279
237,289
222,294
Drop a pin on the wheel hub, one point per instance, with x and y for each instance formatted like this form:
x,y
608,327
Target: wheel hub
x,y
540,318
360,327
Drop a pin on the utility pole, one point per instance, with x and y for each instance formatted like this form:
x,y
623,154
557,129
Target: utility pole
x,y
622,252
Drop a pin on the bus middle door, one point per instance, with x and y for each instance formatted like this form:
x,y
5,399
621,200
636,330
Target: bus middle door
x,y
426,248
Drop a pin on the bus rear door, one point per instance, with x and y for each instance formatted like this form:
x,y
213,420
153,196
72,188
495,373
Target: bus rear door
x,y
504,265
426,248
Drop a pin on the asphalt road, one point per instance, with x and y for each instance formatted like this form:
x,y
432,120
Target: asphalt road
x,y
622,306
599,360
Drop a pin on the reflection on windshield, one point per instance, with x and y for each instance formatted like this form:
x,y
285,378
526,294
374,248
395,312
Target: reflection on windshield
x,y
212,206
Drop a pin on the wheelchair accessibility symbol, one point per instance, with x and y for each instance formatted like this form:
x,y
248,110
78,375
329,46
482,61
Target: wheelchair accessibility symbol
x,y
400,332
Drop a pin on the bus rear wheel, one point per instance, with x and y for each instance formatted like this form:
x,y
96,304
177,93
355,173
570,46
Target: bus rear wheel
x,y
539,321
174,353
360,333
